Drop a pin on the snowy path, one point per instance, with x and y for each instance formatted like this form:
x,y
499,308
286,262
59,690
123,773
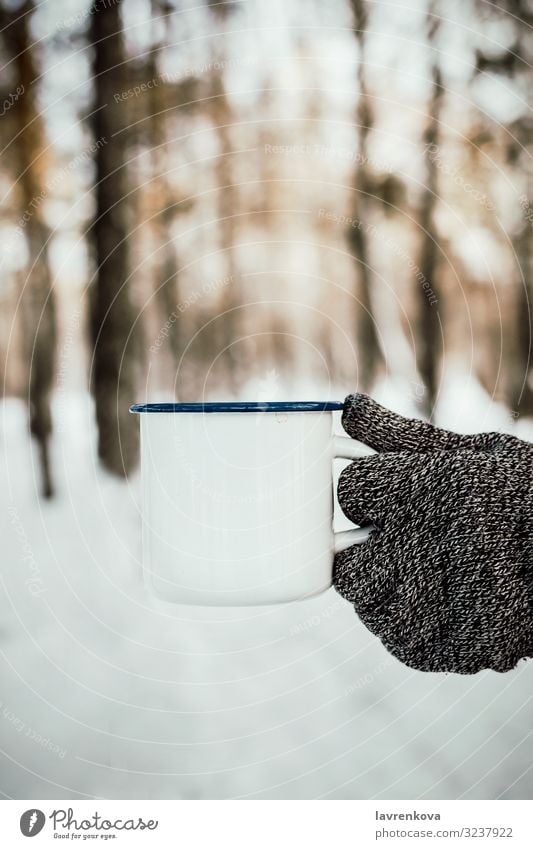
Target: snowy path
x,y
103,694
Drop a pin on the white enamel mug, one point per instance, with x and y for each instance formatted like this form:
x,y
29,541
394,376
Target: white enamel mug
x,y
238,501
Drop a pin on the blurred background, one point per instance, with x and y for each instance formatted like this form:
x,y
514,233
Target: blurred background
x,y
255,201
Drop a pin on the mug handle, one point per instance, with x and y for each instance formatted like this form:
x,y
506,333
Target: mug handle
x,y
345,448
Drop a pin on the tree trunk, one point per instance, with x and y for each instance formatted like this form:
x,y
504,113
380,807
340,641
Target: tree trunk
x,y
38,303
520,379
227,207
428,297
520,368
370,356
165,265
113,373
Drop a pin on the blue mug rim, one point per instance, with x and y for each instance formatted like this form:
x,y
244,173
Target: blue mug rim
x,y
239,407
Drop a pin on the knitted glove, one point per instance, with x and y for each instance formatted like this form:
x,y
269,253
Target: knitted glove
x,y
446,578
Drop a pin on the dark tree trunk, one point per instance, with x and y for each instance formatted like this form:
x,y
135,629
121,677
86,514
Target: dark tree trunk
x,y
113,365
370,356
520,365
227,208
520,375
38,303
428,297
165,265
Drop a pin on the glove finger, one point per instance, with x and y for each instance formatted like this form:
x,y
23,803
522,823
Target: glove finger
x,y
370,487
381,429
362,577
360,492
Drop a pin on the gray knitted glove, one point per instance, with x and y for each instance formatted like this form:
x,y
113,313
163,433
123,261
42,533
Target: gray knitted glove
x,y
446,579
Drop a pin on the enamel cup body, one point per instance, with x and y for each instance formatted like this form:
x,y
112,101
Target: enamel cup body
x,y
238,505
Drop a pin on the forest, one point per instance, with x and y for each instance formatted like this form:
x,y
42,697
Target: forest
x,y
255,201
228,202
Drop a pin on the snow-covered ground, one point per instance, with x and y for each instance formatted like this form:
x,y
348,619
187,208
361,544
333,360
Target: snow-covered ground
x,y
105,694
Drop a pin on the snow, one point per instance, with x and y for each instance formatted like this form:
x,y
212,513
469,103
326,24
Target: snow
x,y
109,694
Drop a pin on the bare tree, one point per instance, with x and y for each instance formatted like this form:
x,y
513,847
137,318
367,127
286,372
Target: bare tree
x,y
520,374
165,263
223,119
113,374
38,303
369,351
519,389
428,295
514,64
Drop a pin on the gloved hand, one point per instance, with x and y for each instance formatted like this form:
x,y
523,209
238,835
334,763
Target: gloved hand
x,y
446,579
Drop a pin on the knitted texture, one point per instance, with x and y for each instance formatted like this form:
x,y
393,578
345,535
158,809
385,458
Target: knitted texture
x,y
445,580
